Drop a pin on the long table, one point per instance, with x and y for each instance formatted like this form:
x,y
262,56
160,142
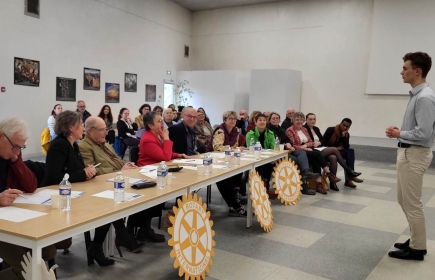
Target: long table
x,y
88,212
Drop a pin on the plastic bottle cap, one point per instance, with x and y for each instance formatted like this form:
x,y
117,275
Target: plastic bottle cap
x,y
66,177
119,173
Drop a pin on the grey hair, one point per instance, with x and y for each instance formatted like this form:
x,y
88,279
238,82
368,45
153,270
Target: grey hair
x,y
80,101
167,110
185,109
227,114
65,120
15,125
298,115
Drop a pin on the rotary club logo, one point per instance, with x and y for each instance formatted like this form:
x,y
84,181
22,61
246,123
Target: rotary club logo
x,y
192,238
260,201
287,182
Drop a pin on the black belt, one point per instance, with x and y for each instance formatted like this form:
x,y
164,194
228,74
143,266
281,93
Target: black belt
x,y
405,145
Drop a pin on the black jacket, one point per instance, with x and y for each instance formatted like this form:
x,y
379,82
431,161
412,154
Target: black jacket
x,y
123,129
340,141
178,135
241,124
278,131
63,158
286,123
317,131
85,115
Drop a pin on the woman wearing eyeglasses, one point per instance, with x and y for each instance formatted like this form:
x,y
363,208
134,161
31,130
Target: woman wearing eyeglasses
x,y
203,128
57,109
155,145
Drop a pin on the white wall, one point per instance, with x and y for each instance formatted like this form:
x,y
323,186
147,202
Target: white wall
x,y
116,36
275,90
327,40
216,91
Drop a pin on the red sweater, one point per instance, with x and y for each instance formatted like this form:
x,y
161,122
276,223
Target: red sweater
x,y
292,134
151,150
20,177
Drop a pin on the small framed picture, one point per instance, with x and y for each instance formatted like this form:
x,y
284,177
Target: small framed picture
x,y
26,72
150,93
31,8
130,82
91,79
112,93
65,89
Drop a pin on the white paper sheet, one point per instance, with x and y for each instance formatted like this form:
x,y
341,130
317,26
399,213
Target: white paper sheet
x,y
218,166
18,215
110,195
247,158
148,168
252,156
190,161
190,167
268,153
131,180
152,174
43,197
320,148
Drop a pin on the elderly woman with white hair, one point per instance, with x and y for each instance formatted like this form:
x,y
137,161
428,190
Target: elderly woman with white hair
x,y
168,117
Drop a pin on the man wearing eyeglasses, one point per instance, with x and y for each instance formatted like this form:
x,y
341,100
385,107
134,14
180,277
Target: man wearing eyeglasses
x,y
81,107
15,178
95,150
183,134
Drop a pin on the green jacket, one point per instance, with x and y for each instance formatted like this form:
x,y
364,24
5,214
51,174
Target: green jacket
x,y
269,138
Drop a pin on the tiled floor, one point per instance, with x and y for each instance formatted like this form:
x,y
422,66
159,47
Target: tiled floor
x,y
343,235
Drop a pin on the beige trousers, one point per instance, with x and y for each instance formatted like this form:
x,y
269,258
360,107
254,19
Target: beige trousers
x,y
411,164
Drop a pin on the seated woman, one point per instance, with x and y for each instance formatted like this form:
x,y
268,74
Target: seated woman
x,y
106,115
203,128
64,155
155,145
251,124
227,134
201,110
301,141
126,128
332,154
158,110
172,106
168,117
267,140
143,110
57,109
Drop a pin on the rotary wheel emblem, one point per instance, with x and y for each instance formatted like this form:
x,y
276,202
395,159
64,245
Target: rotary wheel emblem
x,y
192,238
287,182
260,201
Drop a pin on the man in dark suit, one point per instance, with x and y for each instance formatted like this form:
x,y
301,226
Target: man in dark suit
x,y
288,119
243,122
81,107
183,134
338,136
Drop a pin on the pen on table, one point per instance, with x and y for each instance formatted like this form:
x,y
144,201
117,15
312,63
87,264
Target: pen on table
x,y
96,165
20,195
189,160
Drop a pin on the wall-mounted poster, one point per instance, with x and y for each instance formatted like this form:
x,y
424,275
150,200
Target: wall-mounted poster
x,y
26,72
150,93
91,79
130,82
65,89
112,93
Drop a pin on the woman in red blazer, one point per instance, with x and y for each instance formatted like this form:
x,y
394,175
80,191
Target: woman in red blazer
x,y
155,145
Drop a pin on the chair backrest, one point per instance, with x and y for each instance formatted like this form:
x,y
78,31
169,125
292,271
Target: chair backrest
x,y
134,154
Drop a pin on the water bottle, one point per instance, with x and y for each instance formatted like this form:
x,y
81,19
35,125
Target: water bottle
x,y
118,188
206,162
276,148
237,156
162,171
257,151
210,167
65,194
251,146
228,154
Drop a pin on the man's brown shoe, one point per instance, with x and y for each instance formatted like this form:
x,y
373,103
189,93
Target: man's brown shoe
x,y
357,180
350,184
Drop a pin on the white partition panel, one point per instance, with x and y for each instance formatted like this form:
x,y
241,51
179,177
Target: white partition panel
x,y
275,90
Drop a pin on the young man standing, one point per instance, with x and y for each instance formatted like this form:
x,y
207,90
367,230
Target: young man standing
x,y
414,153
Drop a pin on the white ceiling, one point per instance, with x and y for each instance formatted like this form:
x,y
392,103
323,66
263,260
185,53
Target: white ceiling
x,y
200,5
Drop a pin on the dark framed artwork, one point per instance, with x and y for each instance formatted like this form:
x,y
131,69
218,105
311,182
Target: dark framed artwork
x,y
26,72
65,89
150,93
31,8
130,82
112,93
91,79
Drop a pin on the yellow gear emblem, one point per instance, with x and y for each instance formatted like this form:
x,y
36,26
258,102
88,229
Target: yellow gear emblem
x,y
287,182
192,238
260,201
